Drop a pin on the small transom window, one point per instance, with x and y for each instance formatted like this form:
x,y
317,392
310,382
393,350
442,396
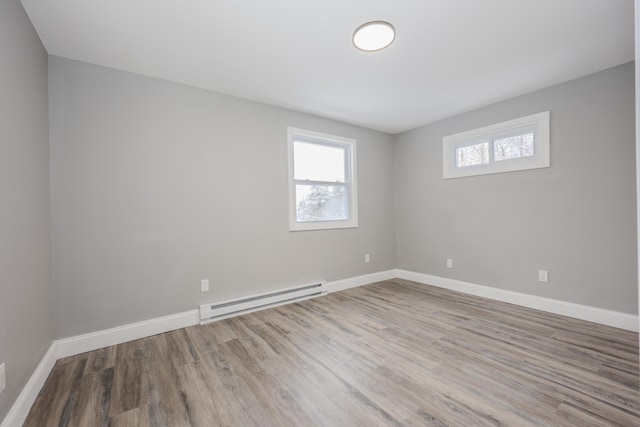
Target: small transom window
x,y
504,147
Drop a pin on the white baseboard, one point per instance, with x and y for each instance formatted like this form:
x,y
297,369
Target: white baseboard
x,y
121,334
353,282
21,407
577,311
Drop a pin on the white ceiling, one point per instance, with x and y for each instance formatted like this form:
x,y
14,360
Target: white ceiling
x,y
449,56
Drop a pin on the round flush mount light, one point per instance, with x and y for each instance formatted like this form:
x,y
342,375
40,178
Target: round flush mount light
x,y
375,35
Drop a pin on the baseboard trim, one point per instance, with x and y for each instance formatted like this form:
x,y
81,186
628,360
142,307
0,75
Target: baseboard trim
x,y
366,279
92,341
21,407
121,334
616,319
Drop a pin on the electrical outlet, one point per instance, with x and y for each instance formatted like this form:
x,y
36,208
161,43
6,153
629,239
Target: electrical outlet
x,y
367,258
543,276
3,380
204,285
449,263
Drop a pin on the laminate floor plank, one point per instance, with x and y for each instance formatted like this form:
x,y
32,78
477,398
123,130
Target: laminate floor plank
x,y
314,391
58,396
393,353
94,398
205,407
101,359
137,417
628,379
128,382
160,393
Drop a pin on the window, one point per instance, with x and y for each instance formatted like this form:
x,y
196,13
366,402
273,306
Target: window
x,y
514,145
322,181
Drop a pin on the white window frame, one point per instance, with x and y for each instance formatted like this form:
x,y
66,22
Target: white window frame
x,y
538,124
349,144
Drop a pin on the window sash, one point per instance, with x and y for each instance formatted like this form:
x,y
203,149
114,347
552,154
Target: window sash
x,y
311,141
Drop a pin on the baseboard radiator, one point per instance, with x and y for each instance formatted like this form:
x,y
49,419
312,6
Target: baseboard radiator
x,y
238,306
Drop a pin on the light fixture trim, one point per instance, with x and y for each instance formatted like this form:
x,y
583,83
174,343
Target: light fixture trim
x,y
374,36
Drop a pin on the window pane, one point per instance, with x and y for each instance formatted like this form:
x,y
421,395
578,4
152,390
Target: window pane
x,y
321,203
513,147
470,155
318,162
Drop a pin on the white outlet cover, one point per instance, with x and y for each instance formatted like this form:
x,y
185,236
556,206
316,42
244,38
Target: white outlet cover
x,y
543,276
3,379
449,263
204,285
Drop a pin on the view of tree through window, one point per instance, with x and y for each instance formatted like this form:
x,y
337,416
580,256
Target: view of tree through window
x,y
321,203
513,147
319,171
472,155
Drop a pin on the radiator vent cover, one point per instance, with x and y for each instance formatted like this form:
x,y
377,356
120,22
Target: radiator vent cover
x,y
238,306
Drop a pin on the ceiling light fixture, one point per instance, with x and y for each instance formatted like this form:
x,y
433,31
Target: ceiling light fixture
x,y
373,36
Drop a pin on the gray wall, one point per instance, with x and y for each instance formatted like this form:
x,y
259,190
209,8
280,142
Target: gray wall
x,y
157,185
26,316
576,219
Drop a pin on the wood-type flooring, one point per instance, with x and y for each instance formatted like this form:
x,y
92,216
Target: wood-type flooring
x,y
393,353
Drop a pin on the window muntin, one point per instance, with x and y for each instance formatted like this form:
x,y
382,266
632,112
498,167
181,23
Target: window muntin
x,y
517,144
322,185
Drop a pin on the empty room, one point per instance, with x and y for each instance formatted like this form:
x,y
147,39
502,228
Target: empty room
x,y
335,213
